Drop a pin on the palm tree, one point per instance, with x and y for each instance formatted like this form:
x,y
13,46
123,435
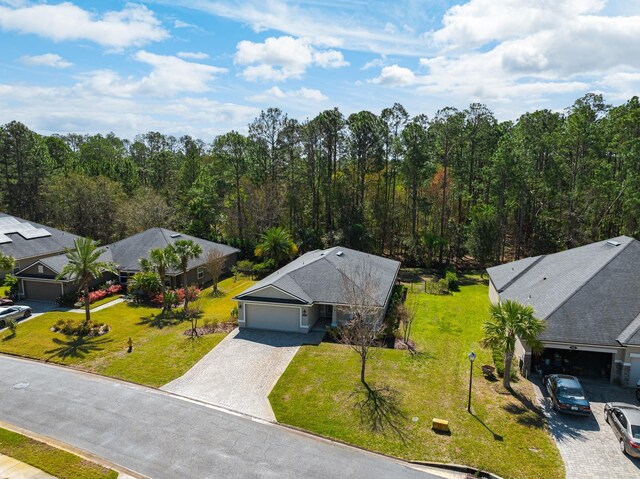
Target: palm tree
x,y
83,266
511,320
160,260
7,263
183,251
276,244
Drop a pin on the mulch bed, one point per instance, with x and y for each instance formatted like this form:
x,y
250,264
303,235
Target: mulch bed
x,y
400,344
212,328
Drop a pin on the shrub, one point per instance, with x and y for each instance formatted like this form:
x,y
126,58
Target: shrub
x,y
498,361
67,299
11,282
12,324
452,281
265,266
244,266
68,327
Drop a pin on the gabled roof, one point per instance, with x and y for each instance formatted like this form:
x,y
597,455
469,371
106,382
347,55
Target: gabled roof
x,y
587,295
126,253
319,276
20,247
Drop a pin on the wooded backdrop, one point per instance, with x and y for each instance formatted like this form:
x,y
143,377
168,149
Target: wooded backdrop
x,y
428,190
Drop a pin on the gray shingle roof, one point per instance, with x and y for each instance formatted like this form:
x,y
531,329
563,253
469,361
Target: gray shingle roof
x,y
127,252
21,248
587,295
319,276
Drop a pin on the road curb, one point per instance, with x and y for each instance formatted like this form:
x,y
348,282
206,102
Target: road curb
x,y
458,468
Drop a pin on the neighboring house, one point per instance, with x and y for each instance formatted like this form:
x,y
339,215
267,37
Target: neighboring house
x,y
39,280
590,299
27,242
127,253
312,288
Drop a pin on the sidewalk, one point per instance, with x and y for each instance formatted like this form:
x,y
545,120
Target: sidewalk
x,y
12,469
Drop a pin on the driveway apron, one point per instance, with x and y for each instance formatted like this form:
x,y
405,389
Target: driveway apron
x,y
240,372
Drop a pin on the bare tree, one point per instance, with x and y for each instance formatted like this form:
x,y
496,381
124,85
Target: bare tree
x,y
214,262
366,317
406,313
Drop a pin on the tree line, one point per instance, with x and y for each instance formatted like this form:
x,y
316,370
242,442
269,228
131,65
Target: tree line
x,y
430,190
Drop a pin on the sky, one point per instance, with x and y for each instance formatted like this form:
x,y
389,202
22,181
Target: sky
x,y
205,67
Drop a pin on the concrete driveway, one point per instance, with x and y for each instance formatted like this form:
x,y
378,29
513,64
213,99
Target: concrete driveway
x,y
240,372
162,436
588,446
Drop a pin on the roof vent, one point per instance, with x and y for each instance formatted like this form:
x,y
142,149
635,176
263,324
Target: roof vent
x,y
613,243
339,253
176,235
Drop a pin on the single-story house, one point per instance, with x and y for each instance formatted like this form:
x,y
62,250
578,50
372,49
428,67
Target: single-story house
x,y
39,280
27,242
313,287
126,255
589,298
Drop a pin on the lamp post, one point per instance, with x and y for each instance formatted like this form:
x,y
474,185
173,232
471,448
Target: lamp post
x,y
472,358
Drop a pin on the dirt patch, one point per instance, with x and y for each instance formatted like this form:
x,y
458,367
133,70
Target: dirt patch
x,y
401,345
212,328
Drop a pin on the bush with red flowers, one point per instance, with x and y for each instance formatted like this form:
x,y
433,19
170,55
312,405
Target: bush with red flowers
x,y
98,294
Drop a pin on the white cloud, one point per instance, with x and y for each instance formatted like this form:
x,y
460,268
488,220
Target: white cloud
x,y
60,110
395,75
277,59
193,55
515,50
134,25
349,25
169,76
276,93
375,63
47,59
181,24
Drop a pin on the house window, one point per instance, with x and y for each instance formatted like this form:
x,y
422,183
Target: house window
x,y
200,272
40,269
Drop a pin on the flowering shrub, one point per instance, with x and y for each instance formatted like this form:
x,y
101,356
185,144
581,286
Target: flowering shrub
x,y
99,294
174,297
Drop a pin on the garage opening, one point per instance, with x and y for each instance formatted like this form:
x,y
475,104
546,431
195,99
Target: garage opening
x,y
588,364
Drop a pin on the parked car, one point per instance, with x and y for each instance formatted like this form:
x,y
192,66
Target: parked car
x,y
6,302
13,312
624,419
567,394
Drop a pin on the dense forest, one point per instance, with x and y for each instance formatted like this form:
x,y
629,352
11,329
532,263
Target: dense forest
x,y
429,190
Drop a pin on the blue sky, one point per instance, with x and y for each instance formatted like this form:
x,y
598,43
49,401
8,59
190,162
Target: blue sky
x,y
204,67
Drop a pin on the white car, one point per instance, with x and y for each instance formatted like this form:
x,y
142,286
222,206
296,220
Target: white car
x,y
13,312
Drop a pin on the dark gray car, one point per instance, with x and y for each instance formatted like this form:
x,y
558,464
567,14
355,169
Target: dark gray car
x,y
13,312
624,419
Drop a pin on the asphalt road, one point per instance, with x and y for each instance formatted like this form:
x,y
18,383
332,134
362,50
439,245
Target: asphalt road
x,y
162,436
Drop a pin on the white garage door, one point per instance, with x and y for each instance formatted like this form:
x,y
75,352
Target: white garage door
x,y
634,373
275,318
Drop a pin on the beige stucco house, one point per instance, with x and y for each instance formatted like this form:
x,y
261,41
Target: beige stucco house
x,y
590,299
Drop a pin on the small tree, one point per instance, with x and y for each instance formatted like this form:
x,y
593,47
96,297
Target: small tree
x,y
360,333
7,263
214,262
145,282
276,244
83,266
160,260
484,233
183,251
509,321
406,313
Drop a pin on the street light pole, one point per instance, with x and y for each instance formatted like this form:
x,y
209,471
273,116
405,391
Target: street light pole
x,y
472,358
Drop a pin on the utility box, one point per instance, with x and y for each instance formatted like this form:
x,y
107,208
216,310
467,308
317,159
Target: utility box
x,y
440,425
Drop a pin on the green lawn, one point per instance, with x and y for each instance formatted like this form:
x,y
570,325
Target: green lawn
x,y
317,393
161,352
56,462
